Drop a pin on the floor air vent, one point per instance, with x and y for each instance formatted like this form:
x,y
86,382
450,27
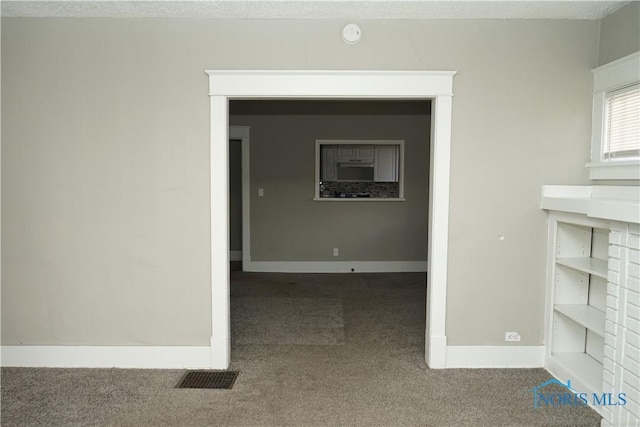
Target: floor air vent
x,y
208,379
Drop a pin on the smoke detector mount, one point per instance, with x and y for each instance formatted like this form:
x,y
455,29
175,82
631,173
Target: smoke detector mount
x,y
351,34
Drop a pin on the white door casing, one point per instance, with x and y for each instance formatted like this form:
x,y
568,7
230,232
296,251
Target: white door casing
x,y
225,85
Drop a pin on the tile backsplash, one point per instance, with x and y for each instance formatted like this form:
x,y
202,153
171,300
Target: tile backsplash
x,y
381,190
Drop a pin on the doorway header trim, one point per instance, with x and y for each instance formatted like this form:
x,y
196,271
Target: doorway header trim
x,y
330,84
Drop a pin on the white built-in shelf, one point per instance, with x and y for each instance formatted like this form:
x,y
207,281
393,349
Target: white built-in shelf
x,y
583,366
594,266
577,292
585,315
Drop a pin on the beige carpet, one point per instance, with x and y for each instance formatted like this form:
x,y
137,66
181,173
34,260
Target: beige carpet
x,y
376,377
287,321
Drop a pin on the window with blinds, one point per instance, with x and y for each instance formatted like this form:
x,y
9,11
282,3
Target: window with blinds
x,y
622,125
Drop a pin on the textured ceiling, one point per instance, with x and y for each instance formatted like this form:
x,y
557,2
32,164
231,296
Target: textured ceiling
x,y
312,9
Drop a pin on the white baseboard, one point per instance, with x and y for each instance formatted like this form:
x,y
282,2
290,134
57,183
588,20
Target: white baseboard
x,y
495,356
235,255
336,266
142,357
181,357
437,351
220,352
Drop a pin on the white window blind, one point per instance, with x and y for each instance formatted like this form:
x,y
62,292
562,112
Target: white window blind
x,y
622,130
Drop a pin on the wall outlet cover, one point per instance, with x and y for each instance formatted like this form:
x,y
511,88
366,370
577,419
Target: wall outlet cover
x,y
511,336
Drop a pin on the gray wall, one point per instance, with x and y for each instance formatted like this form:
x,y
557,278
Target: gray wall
x,y
235,195
287,225
620,33
105,189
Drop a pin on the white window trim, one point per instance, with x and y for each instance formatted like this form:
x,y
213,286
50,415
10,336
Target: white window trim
x,y
398,142
607,78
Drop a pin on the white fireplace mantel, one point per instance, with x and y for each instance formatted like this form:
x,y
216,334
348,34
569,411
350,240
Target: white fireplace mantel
x,y
616,203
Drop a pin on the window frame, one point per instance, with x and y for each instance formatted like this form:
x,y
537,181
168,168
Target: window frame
x,y
609,78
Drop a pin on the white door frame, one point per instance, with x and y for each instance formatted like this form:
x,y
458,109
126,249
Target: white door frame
x,y
437,86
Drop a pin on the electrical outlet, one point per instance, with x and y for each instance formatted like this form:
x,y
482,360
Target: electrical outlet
x,y
336,252
511,336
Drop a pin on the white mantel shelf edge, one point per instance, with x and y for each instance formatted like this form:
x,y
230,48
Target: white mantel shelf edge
x,y
616,203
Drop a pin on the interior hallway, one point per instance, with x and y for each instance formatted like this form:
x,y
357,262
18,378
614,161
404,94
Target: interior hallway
x,y
312,349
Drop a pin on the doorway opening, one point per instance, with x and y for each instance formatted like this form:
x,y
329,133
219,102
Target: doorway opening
x,y
295,231
434,86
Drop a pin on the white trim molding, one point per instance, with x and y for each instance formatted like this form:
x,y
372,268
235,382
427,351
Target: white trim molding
x,y
220,263
438,231
437,86
338,266
614,170
253,84
138,357
607,78
617,203
617,74
471,356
